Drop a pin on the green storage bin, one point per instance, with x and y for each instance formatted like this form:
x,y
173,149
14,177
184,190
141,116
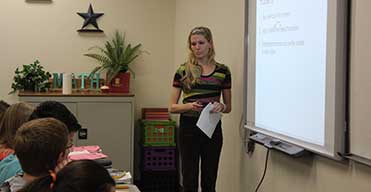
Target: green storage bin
x,y
158,133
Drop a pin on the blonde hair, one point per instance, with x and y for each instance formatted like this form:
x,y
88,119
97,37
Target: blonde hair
x,y
14,116
192,68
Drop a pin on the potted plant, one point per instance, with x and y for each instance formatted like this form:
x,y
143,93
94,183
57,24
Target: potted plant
x,y
115,58
31,78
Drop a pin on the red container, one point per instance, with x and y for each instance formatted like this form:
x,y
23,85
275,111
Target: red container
x,y
120,83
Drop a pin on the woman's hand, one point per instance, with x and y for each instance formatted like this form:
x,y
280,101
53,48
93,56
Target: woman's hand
x,y
218,107
195,106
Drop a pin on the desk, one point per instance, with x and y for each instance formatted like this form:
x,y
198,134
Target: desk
x,y
132,188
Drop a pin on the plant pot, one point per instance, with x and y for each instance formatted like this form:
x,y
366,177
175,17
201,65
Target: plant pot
x,y
120,83
30,88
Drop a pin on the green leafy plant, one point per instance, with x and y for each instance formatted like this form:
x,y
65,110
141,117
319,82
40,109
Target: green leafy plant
x,y
32,78
116,56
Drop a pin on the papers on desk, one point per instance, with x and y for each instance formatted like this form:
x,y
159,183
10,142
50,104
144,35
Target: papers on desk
x,y
120,176
124,179
207,121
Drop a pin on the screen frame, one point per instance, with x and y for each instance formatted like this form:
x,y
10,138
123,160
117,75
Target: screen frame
x,y
336,81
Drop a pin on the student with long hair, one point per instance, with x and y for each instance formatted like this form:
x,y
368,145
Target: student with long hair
x,y
76,176
4,151
14,116
202,80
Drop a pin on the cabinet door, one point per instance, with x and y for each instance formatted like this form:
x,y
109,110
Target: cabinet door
x,y
108,125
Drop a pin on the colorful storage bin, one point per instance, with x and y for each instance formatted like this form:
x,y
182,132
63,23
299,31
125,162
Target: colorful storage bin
x,y
158,133
159,158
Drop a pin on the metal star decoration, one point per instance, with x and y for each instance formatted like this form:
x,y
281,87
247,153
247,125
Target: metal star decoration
x,y
90,18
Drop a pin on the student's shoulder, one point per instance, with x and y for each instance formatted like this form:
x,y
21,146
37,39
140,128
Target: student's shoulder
x,y
17,182
9,166
9,160
13,184
5,187
5,152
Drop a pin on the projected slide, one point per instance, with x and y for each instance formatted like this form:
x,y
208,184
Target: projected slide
x,y
291,68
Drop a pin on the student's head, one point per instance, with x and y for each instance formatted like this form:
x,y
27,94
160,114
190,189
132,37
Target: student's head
x,y
14,116
3,106
59,111
77,176
40,145
200,44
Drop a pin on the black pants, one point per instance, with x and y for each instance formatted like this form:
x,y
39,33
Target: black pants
x,y
195,145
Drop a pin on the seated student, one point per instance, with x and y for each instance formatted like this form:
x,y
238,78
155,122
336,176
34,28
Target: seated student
x,y
59,111
45,109
13,118
77,176
4,151
40,145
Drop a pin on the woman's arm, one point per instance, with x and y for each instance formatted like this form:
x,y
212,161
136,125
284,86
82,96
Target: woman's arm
x,y
227,100
226,107
174,107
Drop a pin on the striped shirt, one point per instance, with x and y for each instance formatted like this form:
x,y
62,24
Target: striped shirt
x,y
209,87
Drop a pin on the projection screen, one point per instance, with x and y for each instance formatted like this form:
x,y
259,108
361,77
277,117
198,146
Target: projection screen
x,y
295,72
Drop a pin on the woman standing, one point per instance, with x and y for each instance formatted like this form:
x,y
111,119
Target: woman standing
x,y
202,80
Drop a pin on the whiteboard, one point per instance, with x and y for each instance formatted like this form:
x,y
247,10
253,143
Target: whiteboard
x,y
295,72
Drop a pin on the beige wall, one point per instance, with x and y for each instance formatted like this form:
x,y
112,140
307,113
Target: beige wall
x,y
311,174
47,31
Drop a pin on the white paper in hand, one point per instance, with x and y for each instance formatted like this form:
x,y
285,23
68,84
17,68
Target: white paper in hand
x,y
207,121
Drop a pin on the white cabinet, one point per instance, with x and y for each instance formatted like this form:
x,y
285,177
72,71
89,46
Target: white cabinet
x,y
108,120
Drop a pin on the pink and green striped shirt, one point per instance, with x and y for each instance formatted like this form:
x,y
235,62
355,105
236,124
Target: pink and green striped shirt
x,y
208,89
